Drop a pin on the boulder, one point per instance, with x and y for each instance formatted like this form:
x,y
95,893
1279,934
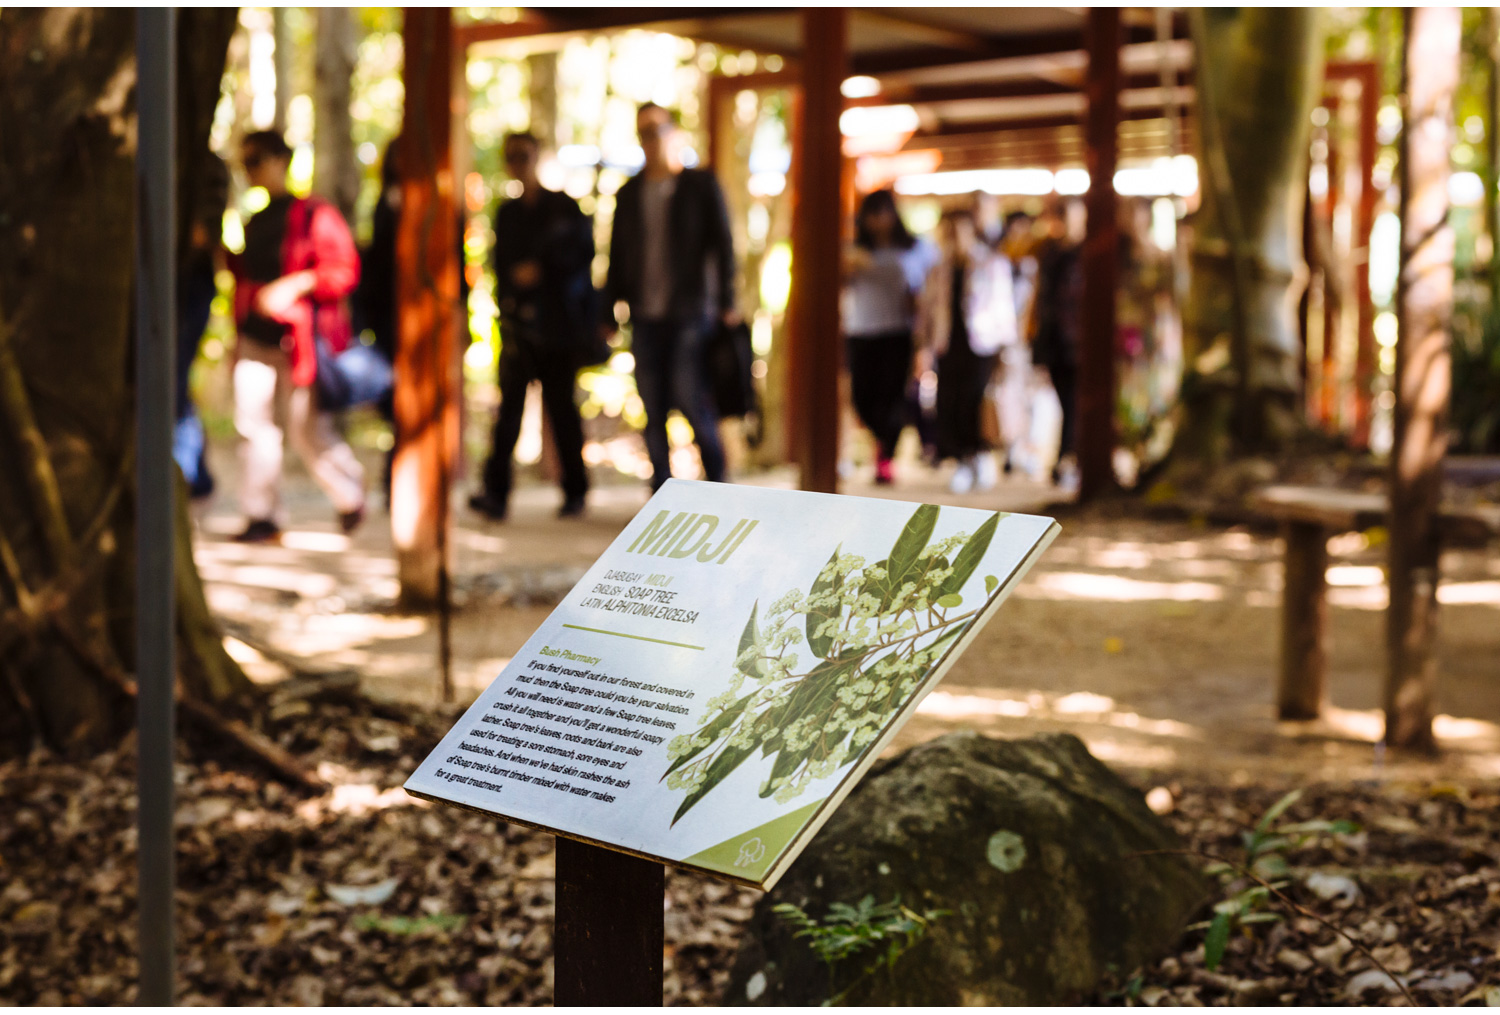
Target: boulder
x,y
1032,847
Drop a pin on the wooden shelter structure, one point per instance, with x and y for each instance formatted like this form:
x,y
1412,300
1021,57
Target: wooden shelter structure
x,y
993,87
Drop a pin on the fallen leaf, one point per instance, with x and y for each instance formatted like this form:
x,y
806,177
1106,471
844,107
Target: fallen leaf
x,y
363,895
1451,979
1297,962
1329,887
35,918
1371,979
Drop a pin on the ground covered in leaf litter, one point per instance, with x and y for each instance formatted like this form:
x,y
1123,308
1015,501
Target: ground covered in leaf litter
x,y
363,895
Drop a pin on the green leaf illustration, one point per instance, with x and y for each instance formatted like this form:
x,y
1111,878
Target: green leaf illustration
x,y
880,588
969,557
826,585
790,721
818,688
712,732
769,729
909,546
941,644
750,638
718,770
786,763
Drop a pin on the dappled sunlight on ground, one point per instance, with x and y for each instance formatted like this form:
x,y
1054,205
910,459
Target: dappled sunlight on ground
x,y
1156,642
1116,588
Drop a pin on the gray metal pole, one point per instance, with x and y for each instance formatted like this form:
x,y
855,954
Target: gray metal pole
x,y
155,327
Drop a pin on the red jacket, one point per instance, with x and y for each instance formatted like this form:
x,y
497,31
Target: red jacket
x,y
317,238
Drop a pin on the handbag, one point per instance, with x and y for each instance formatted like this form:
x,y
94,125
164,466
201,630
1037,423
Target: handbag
x,y
729,362
587,347
359,375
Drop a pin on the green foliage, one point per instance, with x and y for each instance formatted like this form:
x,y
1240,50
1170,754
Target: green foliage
x,y
1476,386
848,930
1266,846
872,630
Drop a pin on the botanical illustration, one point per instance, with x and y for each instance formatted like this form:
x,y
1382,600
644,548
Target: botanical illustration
x,y
871,632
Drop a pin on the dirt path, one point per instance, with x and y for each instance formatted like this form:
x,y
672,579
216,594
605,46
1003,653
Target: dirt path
x,y
1154,641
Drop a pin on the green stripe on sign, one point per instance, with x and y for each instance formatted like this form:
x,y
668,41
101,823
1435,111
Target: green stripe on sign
x,y
635,637
750,854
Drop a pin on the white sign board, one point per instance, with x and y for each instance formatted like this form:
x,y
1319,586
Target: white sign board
x,y
728,669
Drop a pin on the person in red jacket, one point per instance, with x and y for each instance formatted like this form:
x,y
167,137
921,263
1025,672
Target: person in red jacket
x,y
292,281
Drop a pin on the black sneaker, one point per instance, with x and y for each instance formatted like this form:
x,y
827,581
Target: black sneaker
x,y
260,530
350,520
572,508
491,507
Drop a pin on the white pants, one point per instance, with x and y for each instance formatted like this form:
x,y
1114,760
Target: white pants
x,y
1012,394
263,391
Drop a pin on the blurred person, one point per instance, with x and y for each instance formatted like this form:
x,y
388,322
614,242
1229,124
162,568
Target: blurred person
x,y
883,271
196,290
292,281
968,314
671,259
374,302
1013,391
1057,320
989,217
544,245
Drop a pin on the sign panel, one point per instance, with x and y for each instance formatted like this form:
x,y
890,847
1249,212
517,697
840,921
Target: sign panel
x,y
728,669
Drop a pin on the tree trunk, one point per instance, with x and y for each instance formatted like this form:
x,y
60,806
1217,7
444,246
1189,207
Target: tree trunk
x,y
67,200
1257,72
1424,311
335,170
1491,174
281,33
542,98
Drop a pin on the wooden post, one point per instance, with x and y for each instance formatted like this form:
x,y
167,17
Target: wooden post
x,y
1302,686
1328,370
1424,307
1096,356
1369,148
609,926
156,478
427,393
816,351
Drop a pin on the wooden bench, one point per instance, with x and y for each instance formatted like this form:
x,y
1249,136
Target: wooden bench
x,y
1309,516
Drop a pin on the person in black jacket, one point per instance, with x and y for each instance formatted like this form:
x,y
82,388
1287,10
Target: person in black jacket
x,y
1057,323
543,248
671,259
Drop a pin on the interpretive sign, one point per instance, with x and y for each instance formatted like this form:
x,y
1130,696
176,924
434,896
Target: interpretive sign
x,y
728,669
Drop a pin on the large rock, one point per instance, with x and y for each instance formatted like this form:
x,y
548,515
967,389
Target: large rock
x,y
1033,846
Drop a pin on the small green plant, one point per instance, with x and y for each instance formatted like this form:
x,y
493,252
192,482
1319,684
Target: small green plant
x,y
848,930
1265,864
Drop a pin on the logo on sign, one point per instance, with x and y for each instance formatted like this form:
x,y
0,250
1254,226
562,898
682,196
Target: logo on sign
x,y
751,851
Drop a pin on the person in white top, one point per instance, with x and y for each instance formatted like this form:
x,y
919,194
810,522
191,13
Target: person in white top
x,y
883,271
967,315
1014,390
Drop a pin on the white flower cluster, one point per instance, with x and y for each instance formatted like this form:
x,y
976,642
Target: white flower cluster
x,y
869,639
